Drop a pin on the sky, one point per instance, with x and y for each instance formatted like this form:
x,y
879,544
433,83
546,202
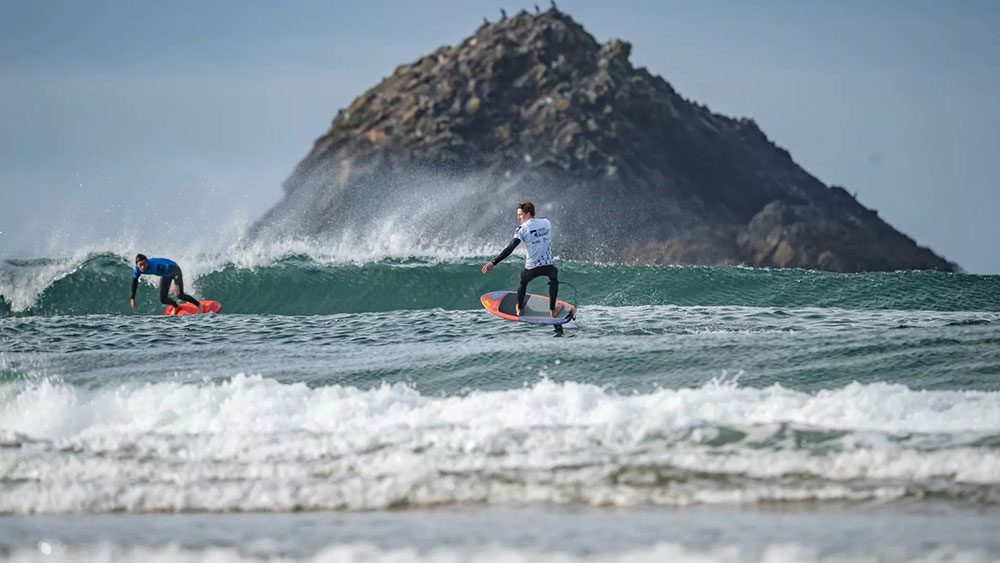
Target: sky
x,y
138,122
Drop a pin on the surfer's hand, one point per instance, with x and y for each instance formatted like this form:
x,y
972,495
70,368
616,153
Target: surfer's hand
x,y
487,267
133,303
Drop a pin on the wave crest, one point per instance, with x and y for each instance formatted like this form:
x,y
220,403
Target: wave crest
x,y
251,443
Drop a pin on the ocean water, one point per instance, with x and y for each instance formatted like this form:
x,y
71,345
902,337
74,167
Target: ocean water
x,y
368,409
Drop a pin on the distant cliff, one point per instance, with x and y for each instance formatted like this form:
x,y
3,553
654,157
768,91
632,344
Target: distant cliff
x,y
533,107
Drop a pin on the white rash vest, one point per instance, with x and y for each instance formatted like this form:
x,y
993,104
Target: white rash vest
x,y
536,234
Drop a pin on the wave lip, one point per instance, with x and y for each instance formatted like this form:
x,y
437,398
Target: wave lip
x,y
252,444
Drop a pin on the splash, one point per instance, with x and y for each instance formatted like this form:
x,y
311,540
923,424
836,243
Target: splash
x,y
251,443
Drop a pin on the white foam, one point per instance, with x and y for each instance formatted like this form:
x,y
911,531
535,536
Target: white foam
x,y
364,552
49,409
255,444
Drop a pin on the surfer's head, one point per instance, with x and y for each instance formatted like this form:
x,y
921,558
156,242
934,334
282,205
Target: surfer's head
x,y
525,211
142,262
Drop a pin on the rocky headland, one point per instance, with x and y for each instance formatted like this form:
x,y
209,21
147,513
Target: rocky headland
x,y
533,107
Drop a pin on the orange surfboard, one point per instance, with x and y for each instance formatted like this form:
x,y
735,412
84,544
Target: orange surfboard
x,y
536,310
189,309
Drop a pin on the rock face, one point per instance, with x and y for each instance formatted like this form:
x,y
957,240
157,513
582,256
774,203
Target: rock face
x,y
533,107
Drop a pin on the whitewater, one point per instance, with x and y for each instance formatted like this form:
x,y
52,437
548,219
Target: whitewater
x,y
350,406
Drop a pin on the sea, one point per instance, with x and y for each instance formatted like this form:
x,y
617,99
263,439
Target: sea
x,y
366,408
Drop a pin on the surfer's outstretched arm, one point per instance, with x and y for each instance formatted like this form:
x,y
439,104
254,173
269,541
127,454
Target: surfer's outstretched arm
x,y
503,254
506,252
135,286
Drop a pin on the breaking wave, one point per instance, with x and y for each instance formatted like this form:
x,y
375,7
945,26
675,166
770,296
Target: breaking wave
x,y
254,444
300,281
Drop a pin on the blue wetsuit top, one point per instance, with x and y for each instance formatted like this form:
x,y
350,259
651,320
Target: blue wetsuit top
x,y
158,267
162,267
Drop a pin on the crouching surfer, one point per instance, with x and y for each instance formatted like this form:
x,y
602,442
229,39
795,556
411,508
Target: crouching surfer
x,y
536,234
169,272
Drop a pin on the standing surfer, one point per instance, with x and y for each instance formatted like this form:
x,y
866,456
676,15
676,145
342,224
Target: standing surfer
x,y
536,233
169,271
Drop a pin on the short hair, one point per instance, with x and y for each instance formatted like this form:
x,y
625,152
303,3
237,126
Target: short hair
x,y
527,207
140,258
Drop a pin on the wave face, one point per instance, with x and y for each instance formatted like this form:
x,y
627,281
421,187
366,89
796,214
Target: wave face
x,y
318,284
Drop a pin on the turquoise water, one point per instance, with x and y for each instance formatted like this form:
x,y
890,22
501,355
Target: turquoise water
x,y
331,387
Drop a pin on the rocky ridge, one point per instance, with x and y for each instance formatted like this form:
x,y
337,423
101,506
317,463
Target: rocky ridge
x,y
533,107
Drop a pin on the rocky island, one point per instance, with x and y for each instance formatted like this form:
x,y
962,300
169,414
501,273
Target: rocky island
x,y
534,107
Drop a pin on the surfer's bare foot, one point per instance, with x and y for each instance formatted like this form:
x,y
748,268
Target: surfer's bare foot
x,y
517,310
554,312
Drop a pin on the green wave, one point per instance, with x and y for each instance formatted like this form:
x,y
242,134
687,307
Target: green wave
x,y
301,285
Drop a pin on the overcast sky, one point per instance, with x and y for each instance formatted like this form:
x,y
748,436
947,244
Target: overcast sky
x,y
144,122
